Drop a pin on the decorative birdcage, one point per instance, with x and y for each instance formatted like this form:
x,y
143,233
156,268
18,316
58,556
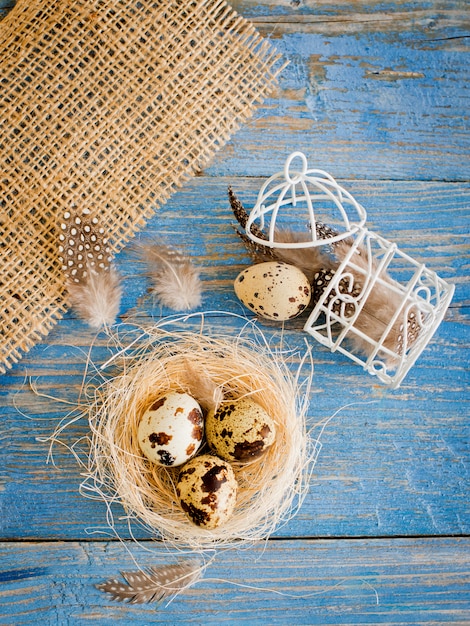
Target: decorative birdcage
x,y
312,193
371,301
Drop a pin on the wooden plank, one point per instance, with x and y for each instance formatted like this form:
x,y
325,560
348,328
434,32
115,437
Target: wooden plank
x,y
434,16
368,90
349,16
361,107
427,220
396,581
345,16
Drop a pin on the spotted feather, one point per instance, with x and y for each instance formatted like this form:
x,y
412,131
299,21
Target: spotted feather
x,y
92,282
83,246
154,584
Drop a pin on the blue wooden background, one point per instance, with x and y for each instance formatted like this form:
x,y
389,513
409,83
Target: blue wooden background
x,y
377,93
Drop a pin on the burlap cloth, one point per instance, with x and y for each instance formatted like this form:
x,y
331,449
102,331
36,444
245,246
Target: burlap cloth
x,y
108,105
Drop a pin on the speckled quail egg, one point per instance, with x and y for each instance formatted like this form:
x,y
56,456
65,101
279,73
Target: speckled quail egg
x,y
240,430
207,490
171,429
274,290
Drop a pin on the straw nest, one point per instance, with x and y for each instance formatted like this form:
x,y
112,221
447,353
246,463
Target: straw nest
x,y
271,487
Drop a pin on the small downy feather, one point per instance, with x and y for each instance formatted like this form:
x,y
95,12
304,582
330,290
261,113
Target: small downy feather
x,y
175,280
154,584
208,393
98,298
93,284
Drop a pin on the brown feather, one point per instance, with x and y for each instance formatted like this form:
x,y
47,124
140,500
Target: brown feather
x,y
93,284
257,251
201,386
310,260
154,584
242,216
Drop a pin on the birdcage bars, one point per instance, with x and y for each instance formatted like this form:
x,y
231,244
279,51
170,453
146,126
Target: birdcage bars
x,y
326,188
341,322
380,307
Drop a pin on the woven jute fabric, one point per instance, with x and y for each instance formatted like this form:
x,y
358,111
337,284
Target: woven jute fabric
x,y
109,105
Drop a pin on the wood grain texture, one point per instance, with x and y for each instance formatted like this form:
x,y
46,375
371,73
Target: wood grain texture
x,y
367,92
377,93
358,15
361,107
343,582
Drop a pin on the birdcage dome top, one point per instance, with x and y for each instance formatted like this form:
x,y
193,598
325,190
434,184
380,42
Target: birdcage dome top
x,y
300,199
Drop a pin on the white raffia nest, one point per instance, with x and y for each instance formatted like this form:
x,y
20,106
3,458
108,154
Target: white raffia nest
x,y
271,488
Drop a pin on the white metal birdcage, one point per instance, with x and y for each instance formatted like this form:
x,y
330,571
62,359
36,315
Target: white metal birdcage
x,y
307,197
373,303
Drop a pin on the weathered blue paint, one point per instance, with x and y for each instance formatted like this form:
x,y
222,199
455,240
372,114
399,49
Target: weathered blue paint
x,y
19,574
379,96
304,582
365,107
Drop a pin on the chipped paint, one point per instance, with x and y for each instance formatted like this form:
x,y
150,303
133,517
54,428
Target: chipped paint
x,y
388,74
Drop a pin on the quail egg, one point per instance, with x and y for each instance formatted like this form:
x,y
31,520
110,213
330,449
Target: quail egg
x,y
171,429
240,430
273,290
207,490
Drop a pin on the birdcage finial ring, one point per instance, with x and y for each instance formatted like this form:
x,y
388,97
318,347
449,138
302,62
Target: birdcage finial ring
x,y
296,176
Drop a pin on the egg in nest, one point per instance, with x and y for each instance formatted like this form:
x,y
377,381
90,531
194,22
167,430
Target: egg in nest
x,y
207,490
171,429
239,430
